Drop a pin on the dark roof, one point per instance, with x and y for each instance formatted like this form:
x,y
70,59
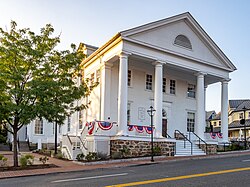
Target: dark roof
x,y
236,124
210,114
245,104
237,102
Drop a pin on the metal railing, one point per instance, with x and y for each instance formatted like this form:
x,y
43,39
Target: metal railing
x,y
200,141
185,139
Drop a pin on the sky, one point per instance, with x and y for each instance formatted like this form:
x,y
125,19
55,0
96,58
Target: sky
x,y
95,21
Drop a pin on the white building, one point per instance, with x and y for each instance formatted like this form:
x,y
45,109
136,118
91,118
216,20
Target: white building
x,y
167,64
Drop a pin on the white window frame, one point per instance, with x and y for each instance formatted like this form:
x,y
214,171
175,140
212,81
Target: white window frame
x,y
172,86
190,122
191,91
98,75
68,123
39,128
80,126
164,85
241,115
149,82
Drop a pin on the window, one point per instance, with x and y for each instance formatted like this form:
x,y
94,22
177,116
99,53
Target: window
x,y
183,41
129,77
240,115
164,84
92,78
248,115
68,123
39,126
80,119
60,129
148,82
191,90
172,86
190,121
215,123
98,75
219,123
128,114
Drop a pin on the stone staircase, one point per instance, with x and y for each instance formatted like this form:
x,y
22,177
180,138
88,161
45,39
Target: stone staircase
x,y
184,149
23,146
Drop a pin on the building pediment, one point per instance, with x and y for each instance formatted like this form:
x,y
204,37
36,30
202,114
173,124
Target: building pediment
x,y
173,35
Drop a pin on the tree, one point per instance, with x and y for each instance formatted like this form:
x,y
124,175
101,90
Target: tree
x,y
36,79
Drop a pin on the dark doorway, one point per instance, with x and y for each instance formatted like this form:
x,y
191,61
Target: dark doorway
x,y
164,127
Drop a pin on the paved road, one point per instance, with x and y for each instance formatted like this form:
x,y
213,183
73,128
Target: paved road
x,y
234,171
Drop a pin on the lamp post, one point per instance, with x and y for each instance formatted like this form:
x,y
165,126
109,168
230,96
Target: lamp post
x,y
151,113
243,121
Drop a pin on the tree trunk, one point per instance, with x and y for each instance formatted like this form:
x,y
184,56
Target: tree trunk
x,y
55,137
15,153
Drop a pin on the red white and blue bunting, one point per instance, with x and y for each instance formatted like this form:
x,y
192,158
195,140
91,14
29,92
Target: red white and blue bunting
x,y
140,129
91,126
105,125
213,135
219,135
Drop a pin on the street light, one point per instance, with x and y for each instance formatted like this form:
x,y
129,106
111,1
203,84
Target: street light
x,y
243,121
151,113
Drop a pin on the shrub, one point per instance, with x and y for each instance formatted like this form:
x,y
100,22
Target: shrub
x,y
43,159
116,155
26,160
91,156
30,159
2,139
23,161
124,151
157,151
102,156
80,157
3,161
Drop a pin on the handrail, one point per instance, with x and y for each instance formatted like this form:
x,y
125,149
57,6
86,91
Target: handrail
x,y
200,141
82,143
69,139
185,138
168,136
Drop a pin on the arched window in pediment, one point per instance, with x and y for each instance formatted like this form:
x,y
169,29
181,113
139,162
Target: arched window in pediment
x,y
183,41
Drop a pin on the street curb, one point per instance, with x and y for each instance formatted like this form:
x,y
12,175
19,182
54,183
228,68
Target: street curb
x,y
158,159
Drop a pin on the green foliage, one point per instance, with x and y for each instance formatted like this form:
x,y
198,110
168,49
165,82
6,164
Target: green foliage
x,y
2,138
157,151
3,161
36,79
26,160
102,156
30,159
44,159
116,155
80,157
91,156
124,151
23,161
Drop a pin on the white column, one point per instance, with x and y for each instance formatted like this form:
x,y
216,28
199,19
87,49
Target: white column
x,y
224,109
200,105
123,95
158,100
105,91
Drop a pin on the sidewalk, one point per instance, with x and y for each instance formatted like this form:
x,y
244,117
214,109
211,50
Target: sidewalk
x,y
67,166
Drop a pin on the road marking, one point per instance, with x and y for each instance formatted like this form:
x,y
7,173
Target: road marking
x,y
180,177
87,178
